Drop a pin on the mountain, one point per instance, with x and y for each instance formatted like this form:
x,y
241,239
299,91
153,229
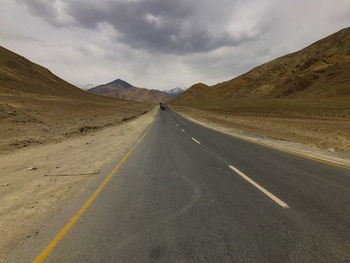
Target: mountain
x,y
37,107
86,86
317,72
172,93
123,90
19,76
112,89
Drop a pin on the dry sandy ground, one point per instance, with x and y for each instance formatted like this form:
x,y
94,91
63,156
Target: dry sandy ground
x,y
324,139
29,120
29,198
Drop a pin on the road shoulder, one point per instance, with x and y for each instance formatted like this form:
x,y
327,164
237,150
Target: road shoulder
x,y
338,158
37,182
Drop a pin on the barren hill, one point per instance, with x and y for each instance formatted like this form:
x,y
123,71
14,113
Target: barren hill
x,y
302,97
317,72
36,106
123,90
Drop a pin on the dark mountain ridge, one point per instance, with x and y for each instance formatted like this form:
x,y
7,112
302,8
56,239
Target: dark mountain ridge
x,y
124,90
118,82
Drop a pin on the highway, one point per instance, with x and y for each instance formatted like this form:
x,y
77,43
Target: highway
x,y
186,193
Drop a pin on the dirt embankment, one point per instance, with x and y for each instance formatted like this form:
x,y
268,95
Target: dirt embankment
x,y
323,138
29,197
41,120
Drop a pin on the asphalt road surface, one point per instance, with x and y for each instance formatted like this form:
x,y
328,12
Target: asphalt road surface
x,y
189,194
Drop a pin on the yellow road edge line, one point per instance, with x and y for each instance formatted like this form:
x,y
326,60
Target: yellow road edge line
x,y
64,231
270,146
293,153
308,157
262,189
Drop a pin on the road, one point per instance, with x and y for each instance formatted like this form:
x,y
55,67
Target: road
x,y
190,194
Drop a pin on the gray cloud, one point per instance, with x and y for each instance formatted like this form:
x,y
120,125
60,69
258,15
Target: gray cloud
x,y
43,8
163,43
51,11
165,26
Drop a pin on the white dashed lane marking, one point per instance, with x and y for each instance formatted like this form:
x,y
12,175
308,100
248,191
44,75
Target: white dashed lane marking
x,y
262,189
196,140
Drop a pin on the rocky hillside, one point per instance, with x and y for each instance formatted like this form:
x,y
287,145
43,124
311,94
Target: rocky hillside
x,y
37,107
319,71
19,75
123,90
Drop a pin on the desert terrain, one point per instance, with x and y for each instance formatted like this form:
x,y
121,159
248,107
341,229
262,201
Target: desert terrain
x,y
326,139
302,97
54,139
37,181
37,107
316,73
33,121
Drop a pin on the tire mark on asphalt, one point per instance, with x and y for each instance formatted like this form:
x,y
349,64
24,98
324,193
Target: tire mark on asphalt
x,y
196,194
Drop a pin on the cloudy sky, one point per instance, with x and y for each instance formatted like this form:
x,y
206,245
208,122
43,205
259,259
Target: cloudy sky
x,y
163,44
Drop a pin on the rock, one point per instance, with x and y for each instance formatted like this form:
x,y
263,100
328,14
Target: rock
x,y
330,149
32,168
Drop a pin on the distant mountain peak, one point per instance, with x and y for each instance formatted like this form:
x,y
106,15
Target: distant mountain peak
x,y
86,86
124,90
172,92
121,82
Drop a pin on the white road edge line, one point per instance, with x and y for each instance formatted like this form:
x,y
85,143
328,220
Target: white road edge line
x,y
262,189
196,140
